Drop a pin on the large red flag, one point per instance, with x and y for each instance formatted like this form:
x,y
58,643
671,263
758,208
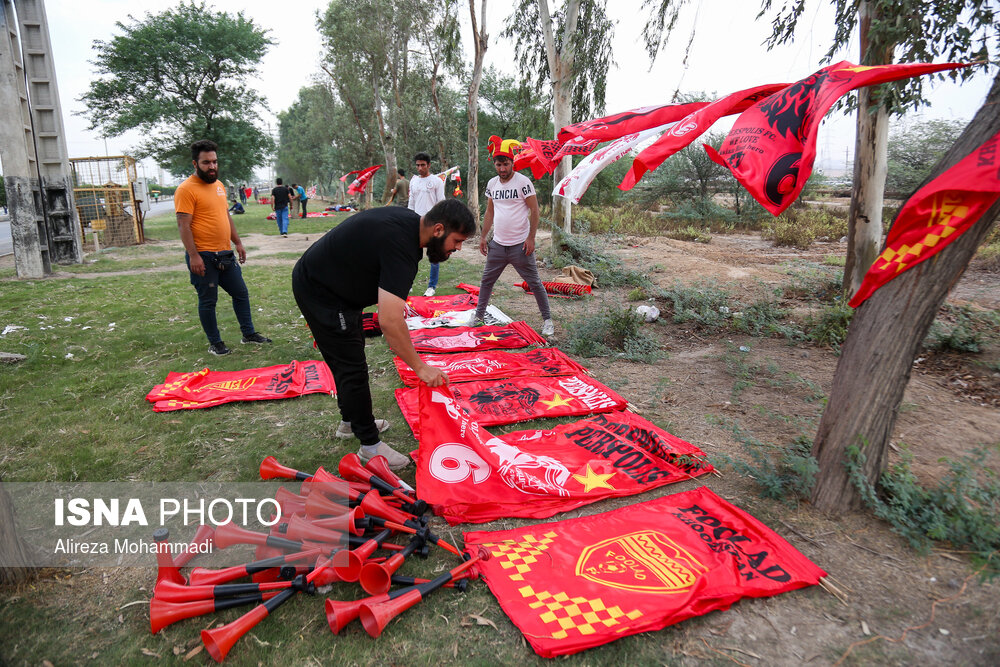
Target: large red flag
x,y
494,364
464,339
619,124
466,474
432,306
495,402
359,184
936,215
575,584
206,388
772,145
542,155
691,127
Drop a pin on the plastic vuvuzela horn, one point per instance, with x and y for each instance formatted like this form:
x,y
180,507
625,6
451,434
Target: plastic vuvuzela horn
x,y
350,468
319,504
350,568
219,641
163,613
459,583
375,578
380,466
404,528
291,503
201,576
169,591
301,529
166,569
375,616
375,506
204,535
271,469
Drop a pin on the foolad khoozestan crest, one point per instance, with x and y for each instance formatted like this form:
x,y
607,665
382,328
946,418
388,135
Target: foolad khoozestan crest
x,y
646,561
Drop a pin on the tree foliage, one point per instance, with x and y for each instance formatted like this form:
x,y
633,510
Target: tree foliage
x,y
914,151
179,76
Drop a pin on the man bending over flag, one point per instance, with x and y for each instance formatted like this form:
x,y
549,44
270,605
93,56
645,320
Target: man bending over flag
x,y
371,258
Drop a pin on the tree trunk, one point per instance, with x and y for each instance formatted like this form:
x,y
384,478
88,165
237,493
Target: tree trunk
x,y
12,551
885,336
385,137
479,39
864,224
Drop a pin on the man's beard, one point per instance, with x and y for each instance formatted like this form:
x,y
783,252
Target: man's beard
x,y
205,176
435,250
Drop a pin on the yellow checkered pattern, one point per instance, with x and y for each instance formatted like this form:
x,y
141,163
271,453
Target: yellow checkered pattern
x,y
948,214
520,556
181,380
576,613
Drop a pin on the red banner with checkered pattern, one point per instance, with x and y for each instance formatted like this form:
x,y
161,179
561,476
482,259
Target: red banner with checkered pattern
x,y
575,584
207,388
464,339
494,364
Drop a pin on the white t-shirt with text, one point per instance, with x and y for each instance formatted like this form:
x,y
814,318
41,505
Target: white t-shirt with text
x,y
424,193
511,223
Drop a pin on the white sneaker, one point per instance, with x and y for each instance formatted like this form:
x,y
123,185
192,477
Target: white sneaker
x,y
430,291
344,431
548,328
396,460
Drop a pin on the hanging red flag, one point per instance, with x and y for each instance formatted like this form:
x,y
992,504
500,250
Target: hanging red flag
x,y
619,124
359,184
494,364
206,388
772,145
507,401
575,584
467,474
936,215
691,127
463,339
432,306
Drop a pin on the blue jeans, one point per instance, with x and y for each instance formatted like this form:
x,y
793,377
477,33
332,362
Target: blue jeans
x,y
229,278
432,281
281,217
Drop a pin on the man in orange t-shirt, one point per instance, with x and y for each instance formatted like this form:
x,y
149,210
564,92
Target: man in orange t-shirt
x,y
207,230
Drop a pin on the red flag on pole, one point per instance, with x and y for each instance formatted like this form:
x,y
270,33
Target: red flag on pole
x,y
619,124
206,388
466,474
493,402
464,339
772,145
494,364
936,215
575,584
691,127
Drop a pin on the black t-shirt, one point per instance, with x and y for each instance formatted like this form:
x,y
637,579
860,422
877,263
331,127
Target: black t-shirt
x,y
280,195
379,248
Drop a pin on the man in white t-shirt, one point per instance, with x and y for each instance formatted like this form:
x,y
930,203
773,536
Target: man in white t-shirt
x,y
425,192
512,214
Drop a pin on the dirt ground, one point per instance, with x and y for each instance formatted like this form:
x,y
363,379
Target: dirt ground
x,y
900,607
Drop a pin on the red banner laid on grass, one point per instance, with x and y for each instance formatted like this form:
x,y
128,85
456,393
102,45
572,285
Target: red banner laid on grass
x,y
772,145
467,474
563,290
464,339
575,584
206,388
432,306
497,402
936,215
492,365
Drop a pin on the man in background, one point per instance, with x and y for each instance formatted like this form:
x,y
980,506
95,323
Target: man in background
x,y
400,195
208,234
300,192
425,192
279,204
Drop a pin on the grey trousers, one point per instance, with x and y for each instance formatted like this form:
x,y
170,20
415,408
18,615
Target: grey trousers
x,y
497,258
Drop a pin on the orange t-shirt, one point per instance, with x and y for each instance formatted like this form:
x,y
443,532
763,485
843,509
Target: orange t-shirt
x,y
209,210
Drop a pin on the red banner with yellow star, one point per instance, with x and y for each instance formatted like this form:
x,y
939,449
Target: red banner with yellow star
x,y
772,146
936,215
432,306
468,475
508,401
575,584
207,388
465,339
493,364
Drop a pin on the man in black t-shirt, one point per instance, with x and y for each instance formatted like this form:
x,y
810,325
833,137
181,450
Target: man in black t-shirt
x,y
372,258
279,204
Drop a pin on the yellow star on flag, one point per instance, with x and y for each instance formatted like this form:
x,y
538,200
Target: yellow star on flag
x,y
592,480
492,336
557,402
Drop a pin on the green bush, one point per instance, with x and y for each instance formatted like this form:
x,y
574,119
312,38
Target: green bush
x,y
638,294
800,226
705,305
584,251
613,332
628,219
781,473
963,508
829,327
689,233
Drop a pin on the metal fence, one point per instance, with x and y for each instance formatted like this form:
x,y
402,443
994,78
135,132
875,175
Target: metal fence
x,y
105,193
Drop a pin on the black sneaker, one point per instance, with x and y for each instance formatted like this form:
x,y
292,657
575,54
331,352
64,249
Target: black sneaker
x,y
255,338
218,349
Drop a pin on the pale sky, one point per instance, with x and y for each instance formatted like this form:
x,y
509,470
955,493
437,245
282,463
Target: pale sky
x,y
726,55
